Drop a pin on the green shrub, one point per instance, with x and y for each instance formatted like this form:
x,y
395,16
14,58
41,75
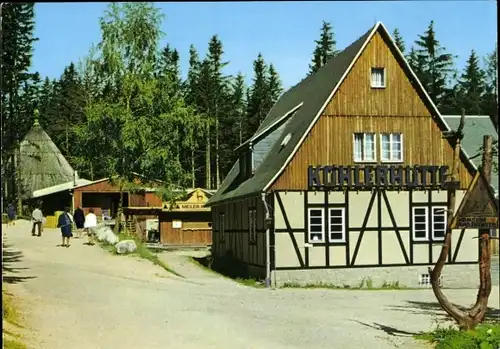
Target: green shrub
x,y
484,336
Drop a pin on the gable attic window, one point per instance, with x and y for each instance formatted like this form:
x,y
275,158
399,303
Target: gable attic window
x,y
247,163
378,78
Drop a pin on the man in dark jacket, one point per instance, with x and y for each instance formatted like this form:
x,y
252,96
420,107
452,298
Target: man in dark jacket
x,y
79,217
11,213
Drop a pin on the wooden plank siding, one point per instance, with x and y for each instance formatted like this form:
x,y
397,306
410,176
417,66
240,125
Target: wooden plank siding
x,y
235,239
356,107
152,200
135,199
195,228
356,97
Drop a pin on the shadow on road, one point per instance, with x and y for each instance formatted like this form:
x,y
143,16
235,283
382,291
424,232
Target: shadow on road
x,y
10,257
387,329
433,308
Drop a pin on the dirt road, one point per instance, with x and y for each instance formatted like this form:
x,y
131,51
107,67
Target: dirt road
x,y
83,297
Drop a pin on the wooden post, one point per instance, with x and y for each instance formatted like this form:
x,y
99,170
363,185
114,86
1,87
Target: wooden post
x,y
435,273
469,318
479,309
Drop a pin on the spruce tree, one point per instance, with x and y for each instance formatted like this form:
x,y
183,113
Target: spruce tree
x,y
213,95
238,103
471,86
70,111
233,124
325,48
399,40
169,69
274,88
17,50
193,76
432,65
258,96
490,97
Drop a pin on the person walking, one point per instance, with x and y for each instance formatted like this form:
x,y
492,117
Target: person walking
x,y
79,217
11,214
65,222
91,226
37,219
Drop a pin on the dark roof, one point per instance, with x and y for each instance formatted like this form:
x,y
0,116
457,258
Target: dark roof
x,y
313,91
42,163
475,127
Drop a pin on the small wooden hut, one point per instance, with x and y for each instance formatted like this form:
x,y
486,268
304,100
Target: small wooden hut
x,y
185,223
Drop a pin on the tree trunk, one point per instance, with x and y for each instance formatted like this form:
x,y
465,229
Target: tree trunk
x,y
17,154
217,169
193,179
119,212
12,146
18,181
458,315
470,318
208,172
241,133
67,138
479,309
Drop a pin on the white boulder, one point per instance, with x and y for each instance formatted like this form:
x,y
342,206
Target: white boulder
x,y
111,238
104,233
126,246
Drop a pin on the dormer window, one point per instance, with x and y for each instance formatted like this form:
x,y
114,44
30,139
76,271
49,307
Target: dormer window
x,y
247,163
378,78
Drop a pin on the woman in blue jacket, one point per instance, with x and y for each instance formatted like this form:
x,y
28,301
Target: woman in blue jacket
x,y
65,222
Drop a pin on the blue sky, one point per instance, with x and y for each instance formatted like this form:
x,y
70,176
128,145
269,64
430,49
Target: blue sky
x,y
284,32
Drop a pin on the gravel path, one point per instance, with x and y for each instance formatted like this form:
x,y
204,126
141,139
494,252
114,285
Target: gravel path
x,y
82,297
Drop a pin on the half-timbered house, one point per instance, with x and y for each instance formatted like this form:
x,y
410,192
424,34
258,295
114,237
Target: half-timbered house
x,y
344,180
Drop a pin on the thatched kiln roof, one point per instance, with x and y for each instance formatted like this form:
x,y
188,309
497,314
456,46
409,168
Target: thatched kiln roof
x,y
42,163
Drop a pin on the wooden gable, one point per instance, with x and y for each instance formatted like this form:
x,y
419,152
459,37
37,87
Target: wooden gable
x,y
357,107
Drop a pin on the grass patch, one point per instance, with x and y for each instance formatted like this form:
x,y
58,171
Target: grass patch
x,y
11,316
142,251
364,284
234,272
9,311
12,344
250,282
484,336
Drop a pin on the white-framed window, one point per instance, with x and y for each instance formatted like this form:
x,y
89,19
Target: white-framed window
x,y
391,147
364,147
252,225
336,228
420,224
425,280
222,228
316,225
439,222
378,77
421,218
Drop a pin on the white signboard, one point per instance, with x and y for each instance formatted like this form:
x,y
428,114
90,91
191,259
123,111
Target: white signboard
x,y
152,224
176,224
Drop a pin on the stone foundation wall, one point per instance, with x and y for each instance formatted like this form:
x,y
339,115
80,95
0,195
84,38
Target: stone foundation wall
x,y
453,276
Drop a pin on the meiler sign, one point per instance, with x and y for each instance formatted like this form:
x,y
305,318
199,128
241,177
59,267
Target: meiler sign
x,y
365,177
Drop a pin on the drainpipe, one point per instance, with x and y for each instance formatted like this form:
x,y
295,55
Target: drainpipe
x,y
252,161
268,242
